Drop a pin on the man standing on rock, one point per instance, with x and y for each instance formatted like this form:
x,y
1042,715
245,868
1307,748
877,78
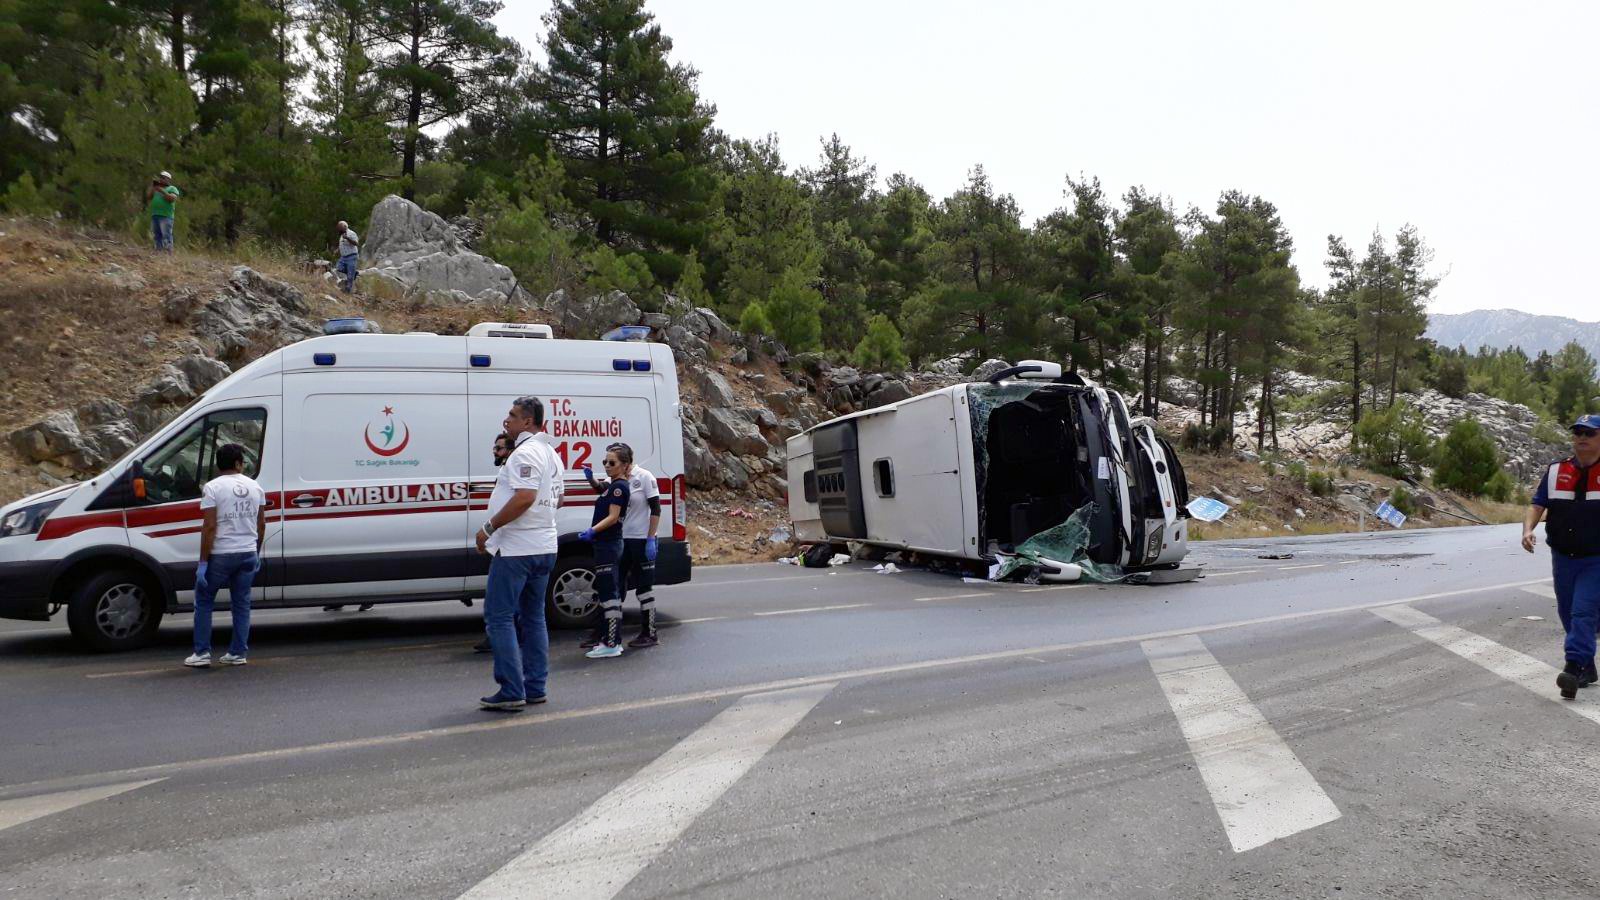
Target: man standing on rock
x,y
349,247
1568,499
161,198
520,534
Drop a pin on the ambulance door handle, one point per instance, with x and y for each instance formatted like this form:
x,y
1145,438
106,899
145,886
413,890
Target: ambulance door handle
x,y
305,500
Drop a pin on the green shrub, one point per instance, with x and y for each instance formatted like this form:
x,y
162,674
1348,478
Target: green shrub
x,y
1205,440
754,319
1500,486
1320,484
1270,468
795,310
1451,379
1402,500
1392,441
1466,459
25,198
880,349
1297,472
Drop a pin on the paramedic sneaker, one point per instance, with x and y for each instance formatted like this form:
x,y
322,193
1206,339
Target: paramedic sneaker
x,y
198,661
605,651
595,638
1569,680
229,659
644,641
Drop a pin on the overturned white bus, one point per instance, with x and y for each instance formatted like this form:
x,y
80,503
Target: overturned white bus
x,y
974,470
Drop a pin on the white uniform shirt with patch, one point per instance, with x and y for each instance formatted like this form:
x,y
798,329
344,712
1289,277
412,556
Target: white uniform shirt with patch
x,y
531,465
641,487
237,500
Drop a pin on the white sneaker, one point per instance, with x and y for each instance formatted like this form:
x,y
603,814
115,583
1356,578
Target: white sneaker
x,y
605,651
228,659
196,661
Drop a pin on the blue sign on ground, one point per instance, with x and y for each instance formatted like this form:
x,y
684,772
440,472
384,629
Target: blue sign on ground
x,y
1207,510
1391,515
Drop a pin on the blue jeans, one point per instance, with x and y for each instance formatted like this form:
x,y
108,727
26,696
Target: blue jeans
x,y
234,571
161,228
1577,602
513,617
346,267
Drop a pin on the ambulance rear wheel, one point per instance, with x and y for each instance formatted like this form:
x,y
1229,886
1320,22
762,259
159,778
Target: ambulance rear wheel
x,y
113,610
571,603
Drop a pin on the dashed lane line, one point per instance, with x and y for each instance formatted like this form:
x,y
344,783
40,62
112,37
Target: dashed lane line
x,y
1261,790
1308,566
594,855
1228,572
810,609
953,596
1053,587
1515,667
546,715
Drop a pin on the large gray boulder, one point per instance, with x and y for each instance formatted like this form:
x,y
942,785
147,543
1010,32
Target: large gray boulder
x,y
988,369
421,255
730,430
587,318
714,389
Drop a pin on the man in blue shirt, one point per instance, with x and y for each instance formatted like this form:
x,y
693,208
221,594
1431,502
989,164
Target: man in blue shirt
x,y
1568,499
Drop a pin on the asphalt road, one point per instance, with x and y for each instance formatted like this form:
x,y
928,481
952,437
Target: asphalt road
x,y
1374,717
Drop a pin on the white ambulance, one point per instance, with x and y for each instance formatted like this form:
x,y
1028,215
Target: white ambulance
x,y
376,455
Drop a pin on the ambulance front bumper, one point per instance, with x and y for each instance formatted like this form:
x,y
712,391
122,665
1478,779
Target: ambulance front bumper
x,y
25,589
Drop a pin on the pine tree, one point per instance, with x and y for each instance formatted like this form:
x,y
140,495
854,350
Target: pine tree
x,y
1572,382
795,310
1148,240
123,130
628,126
762,230
437,60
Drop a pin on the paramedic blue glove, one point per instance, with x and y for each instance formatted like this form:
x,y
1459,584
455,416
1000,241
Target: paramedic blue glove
x,y
586,535
650,548
588,473
200,573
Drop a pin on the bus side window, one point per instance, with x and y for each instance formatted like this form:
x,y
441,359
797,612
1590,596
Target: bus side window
x,y
809,480
883,477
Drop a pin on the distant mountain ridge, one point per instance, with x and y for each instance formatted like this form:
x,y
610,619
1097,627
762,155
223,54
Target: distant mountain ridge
x,y
1502,328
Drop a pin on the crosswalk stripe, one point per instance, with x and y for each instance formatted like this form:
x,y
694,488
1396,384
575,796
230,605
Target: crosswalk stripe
x,y
594,855
1541,590
26,809
1513,666
1260,789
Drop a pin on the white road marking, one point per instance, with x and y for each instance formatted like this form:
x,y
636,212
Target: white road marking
x,y
806,609
1351,562
1053,587
1516,667
819,574
1229,572
26,809
692,621
546,716
953,596
1547,591
1292,568
22,631
1260,789
594,855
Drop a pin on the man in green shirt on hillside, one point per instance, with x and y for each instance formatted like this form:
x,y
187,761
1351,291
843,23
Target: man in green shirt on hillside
x,y
162,196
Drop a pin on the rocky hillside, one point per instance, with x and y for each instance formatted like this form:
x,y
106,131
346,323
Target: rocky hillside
x,y
110,341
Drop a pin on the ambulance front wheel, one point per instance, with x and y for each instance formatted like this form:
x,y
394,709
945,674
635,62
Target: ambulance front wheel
x,y
114,610
571,603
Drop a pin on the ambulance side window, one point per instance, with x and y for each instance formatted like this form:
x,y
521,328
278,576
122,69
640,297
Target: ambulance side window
x,y
180,468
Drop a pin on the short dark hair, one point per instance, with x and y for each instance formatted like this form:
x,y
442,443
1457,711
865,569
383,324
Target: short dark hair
x,y
623,451
531,406
229,456
502,436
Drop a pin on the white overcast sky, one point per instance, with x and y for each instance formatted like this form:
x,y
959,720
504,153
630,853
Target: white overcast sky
x,y
1477,122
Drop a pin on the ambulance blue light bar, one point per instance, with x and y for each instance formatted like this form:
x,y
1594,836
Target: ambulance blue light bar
x,y
641,365
621,365
324,359
480,361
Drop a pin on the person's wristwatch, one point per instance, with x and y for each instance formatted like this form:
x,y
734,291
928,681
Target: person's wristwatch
x,y
488,529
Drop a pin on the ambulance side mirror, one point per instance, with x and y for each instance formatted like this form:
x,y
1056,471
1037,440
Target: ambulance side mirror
x,y
136,479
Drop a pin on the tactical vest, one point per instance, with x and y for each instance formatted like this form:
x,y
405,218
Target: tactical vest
x,y
1572,509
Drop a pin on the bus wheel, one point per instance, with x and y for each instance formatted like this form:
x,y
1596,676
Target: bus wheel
x,y
571,603
115,610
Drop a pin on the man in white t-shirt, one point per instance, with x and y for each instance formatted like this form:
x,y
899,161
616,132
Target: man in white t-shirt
x,y
234,514
520,534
